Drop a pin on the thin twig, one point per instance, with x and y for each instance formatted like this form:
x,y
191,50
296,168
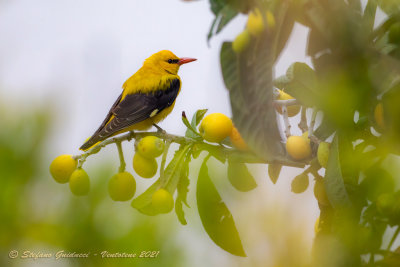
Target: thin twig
x,y
303,122
286,120
288,102
393,238
228,152
122,163
311,128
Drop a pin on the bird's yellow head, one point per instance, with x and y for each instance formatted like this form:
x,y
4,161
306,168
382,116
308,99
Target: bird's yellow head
x,y
166,61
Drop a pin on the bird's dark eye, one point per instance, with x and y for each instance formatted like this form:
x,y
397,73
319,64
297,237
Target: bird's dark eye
x,y
173,61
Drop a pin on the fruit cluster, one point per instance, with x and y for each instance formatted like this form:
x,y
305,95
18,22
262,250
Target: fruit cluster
x,y
121,186
257,23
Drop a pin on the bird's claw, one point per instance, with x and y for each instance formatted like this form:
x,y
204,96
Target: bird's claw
x,y
159,129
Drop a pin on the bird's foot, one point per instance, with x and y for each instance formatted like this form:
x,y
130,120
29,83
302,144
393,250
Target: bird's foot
x,y
159,129
131,135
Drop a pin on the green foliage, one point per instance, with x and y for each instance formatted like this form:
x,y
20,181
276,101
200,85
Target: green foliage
x,y
333,180
191,131
240,177
246,77
215,216
172,176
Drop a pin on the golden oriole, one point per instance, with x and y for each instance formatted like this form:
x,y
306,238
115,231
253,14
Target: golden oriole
x,y
148,96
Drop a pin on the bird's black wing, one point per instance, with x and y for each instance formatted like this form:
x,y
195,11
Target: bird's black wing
x,y
133,109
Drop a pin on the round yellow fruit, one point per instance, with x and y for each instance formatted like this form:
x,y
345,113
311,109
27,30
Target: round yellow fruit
x,y
237,140
122,186
79,182
162,201
145,167
62,167
323,153
241,42
216,127
320,193
298,147
255,22
300,183
150,147
291,110
378,115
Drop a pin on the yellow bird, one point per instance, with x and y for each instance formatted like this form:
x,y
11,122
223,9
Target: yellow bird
x,y
148,96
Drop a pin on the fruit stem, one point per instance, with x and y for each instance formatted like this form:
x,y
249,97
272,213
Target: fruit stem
x,y
288,102
121,156
286,120
393,238
303,122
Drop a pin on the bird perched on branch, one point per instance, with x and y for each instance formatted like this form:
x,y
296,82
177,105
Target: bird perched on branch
x,y
148,96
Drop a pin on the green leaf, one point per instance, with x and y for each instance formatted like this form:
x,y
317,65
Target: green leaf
x,y
240,177
248,77
281,82
143,202
284,27
274,169
196,119
389,6
183,189
172,175
369,15
215,216
223,16
192,130
333,181
324,130
303,84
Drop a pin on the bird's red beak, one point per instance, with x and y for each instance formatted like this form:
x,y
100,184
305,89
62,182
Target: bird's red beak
x,y
184,60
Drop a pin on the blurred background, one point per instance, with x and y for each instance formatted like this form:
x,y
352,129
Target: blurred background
x,y
62,66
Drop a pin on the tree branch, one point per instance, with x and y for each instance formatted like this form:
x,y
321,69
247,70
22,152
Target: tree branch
x,y
246,157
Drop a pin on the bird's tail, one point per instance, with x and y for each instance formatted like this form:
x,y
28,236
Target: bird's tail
x,y
89,143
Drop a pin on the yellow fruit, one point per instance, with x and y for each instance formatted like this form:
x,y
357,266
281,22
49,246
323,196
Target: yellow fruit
x,y
323,153
150,147
270,20
145,167
237,140
241,42
79,182
216,127
320,193
255,22
378,115
300,183
291,110
62,167
162,201
122,186
298,147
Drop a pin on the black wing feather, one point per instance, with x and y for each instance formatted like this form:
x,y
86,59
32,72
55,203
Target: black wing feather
x,y
134,109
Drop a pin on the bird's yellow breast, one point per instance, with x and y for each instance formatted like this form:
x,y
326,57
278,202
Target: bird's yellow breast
x,y
147,80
